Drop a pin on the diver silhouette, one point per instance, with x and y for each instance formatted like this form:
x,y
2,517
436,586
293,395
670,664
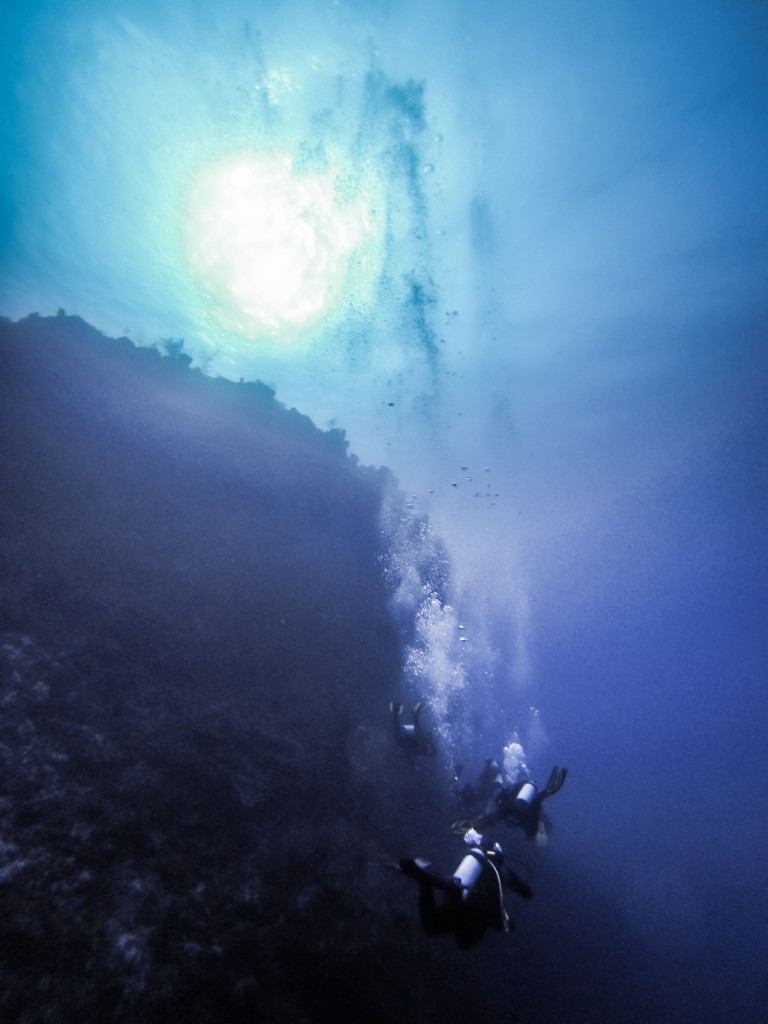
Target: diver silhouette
x,y
517,805
416,739
473,896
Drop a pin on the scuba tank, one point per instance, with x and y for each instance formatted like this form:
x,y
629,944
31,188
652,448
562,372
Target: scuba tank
x,y
468,872
471,867
526,797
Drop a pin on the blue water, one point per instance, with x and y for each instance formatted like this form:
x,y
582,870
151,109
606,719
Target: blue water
x,y
561,350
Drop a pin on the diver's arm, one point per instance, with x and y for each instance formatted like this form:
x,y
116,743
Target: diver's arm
x,y
463,825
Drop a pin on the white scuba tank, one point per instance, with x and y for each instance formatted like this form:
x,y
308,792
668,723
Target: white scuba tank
x,y
525,798
468,872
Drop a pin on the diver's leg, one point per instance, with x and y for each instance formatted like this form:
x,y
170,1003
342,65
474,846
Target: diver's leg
x,y
397,710
435,919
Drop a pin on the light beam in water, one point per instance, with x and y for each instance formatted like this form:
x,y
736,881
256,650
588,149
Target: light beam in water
x,y
277,250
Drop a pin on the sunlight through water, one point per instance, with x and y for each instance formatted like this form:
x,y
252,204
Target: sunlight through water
x,y
275,249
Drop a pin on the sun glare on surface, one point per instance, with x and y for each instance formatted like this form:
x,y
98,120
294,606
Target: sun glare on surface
x,y
277,250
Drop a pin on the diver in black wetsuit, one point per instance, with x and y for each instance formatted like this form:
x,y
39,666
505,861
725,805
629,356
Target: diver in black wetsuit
x,y
518,805
473,896
416,739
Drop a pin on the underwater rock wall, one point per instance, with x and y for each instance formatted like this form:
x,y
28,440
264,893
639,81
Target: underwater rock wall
x,y
200,789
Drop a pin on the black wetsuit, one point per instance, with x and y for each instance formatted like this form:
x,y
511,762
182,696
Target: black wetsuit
x,y
467,919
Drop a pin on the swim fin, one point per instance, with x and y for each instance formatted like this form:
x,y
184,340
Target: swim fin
x,y
555,783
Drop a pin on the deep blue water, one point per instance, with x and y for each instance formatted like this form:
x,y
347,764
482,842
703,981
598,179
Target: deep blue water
x,y
551,324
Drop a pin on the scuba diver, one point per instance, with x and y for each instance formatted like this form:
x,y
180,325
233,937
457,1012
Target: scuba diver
x,y
415,739
473,899
517,805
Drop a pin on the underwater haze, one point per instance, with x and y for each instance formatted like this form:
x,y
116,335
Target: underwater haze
x,y
511,261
